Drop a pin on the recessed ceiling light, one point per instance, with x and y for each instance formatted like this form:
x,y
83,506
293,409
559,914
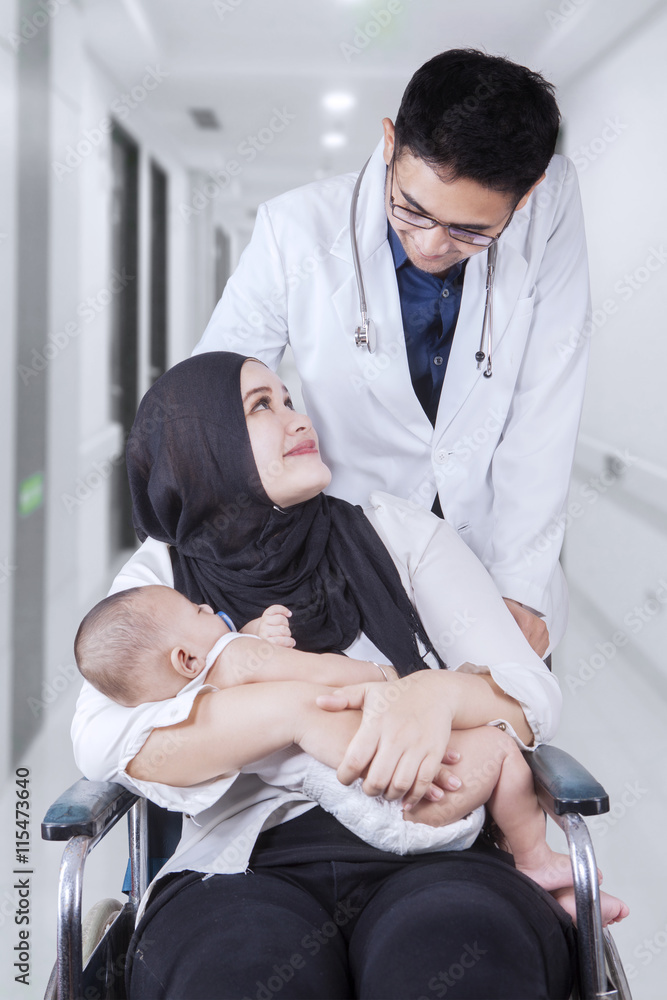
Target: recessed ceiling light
x,y
334,140
337,100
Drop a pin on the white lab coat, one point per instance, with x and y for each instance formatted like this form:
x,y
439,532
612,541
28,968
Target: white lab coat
x,y
501,452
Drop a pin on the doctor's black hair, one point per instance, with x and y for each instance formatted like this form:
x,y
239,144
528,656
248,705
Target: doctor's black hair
x,y
480,117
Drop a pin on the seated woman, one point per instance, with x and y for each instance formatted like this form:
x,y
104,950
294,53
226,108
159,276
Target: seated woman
x,y
266,893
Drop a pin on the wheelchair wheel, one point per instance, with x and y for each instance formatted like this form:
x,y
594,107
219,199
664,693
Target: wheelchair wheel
x,y
96,923
93,928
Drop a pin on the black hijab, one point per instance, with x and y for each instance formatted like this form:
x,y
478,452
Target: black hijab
x,y
195,486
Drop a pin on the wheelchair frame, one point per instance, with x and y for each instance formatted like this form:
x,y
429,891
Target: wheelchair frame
x,y
86,812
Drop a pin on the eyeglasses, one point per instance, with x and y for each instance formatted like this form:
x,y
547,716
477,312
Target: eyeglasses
x,y
404,214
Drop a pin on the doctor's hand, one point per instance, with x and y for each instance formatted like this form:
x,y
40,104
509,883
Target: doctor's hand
x,y
401,743
533,627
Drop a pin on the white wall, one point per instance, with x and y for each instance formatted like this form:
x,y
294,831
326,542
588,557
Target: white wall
x,y
612,665
8,375
616,548
62,356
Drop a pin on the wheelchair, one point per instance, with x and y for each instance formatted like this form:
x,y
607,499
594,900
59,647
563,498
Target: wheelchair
x,y
90,958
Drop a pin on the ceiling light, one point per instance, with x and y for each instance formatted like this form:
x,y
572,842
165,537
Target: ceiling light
x,y
338,100
334,140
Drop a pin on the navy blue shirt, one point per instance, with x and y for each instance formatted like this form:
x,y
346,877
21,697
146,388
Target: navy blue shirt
x,y
430,308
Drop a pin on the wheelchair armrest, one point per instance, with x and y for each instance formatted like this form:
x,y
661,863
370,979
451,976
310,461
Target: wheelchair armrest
x,y
86,809
564,785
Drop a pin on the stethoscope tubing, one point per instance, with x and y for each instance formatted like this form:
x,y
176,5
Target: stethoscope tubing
x,y
363,333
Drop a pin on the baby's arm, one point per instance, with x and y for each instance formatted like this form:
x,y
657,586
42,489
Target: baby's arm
x,y
259,660
272,626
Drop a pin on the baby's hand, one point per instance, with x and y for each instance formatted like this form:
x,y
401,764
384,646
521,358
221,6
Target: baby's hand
x,y
272,626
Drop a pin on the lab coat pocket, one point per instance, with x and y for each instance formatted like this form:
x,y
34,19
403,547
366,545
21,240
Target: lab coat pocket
x,y
511,341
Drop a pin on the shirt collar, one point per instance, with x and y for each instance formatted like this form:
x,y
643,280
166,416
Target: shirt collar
x,y
401,258
397,251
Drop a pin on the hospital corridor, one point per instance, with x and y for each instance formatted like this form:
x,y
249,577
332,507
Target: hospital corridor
x,y
138,139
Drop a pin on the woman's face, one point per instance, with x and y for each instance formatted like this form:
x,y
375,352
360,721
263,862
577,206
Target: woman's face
x,y
284,444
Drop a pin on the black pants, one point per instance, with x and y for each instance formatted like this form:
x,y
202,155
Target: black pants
x,y
455,925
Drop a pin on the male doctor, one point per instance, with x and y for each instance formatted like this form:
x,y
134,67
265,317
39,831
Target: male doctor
x,y
480,425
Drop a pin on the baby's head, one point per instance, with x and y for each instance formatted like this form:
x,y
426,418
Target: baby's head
x,y
145,644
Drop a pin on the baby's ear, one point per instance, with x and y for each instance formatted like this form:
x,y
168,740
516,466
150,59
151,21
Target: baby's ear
x,y
184,664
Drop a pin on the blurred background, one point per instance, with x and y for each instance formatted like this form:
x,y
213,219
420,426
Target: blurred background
x,y
137,138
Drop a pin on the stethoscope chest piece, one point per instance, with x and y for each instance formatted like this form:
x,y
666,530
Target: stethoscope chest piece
x,y
365,335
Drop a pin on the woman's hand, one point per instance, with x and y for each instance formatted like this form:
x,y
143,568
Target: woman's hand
x,y
403,736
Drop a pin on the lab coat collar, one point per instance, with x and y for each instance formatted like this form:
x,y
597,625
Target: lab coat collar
x,y
371,213
386,372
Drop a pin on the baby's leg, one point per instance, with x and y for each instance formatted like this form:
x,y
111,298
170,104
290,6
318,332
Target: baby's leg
x,y
483,752
493,771
515,808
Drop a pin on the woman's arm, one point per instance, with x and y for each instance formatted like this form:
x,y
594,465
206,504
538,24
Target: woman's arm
x,y
494,674
462,611
227,730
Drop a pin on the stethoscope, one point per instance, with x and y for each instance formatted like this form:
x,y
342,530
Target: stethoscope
x,y
365,336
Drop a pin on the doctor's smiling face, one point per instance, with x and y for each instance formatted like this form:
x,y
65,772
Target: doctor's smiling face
x,y
284,444
414,186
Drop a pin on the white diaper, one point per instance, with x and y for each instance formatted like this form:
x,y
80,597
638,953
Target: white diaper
x,y
379,822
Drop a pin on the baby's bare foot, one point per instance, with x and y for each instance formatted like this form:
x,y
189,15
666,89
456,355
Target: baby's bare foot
x,y
547,868
612,909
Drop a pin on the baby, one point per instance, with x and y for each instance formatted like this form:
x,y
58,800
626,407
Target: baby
x,y
149,643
